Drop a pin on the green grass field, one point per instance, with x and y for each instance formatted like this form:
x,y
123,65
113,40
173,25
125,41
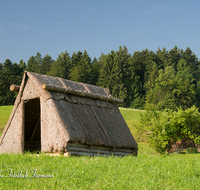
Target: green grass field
x,y
131,117
148,170
4,116
142,172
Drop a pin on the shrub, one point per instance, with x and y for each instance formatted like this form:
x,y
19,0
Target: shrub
x,y
165,128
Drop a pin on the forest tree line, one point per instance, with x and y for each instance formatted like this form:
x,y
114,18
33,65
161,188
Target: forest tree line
x,y
143,80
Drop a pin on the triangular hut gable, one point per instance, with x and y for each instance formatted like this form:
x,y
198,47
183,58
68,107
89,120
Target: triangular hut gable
x,y
52,114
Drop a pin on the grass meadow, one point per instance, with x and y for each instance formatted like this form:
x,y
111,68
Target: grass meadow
x,y
142,172
148,170
5,112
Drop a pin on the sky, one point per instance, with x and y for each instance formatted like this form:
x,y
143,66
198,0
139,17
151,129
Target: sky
x,y
97,26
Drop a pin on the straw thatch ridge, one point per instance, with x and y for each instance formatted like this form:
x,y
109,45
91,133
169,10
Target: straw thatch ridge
x,y
77,113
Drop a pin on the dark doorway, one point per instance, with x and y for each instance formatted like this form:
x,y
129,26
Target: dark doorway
x,y
32,128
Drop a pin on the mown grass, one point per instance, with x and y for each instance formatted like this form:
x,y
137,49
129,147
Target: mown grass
x,y
142,172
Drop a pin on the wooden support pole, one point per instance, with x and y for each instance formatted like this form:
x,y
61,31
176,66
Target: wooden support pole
x,y
35,129
14,88
80,93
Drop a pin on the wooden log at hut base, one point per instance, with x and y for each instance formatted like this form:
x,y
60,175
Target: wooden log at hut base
x,y
82,149
14,88
80,93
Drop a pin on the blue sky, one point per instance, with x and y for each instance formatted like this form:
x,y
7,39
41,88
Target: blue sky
x,y
51,27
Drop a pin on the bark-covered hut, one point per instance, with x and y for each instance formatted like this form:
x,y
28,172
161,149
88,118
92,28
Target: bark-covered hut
x,y
52,114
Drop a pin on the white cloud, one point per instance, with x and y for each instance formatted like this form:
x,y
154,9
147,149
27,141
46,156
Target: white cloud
x,y
58,23
8,25
22,27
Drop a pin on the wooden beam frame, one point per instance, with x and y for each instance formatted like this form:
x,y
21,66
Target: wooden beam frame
x,y
80,93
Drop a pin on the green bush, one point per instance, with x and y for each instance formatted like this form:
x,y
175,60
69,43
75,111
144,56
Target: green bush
x,y
165,128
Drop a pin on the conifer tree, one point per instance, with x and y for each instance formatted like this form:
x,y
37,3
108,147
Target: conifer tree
x,y
46,63
115,74
82,68
9,74
32,64
105,75
61,67
22,65
95,71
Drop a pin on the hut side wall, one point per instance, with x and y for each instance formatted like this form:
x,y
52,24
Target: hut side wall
x,y
13,139
54,135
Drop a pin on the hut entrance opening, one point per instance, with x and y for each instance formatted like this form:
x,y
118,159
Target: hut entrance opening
x,y
32,128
